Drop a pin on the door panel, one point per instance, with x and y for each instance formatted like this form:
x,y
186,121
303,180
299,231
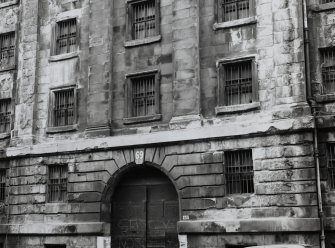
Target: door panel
x,y
129,218
145,213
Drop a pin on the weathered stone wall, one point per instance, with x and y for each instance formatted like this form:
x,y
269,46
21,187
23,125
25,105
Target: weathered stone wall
x,y
9,17
284,188
157,55
321,27
275,40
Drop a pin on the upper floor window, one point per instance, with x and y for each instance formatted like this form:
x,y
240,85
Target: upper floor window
x,y
230,10
57,183
2,185
66,37
5,115
7,50
331,165
143,19
328,69
143,93
237,83
63,107
239,172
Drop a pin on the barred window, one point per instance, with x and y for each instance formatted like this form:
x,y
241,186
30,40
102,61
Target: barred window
x,y
331,165
328,69
5,115
237,83
7,50
57,183
239,172
63,107
143,19
66,36
143,95
230,10
2,185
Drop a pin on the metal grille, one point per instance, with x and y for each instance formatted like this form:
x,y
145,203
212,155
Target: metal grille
x,y
64,107
331,165
238,83
7,49
66,36
326,1
235,9
144,17
2,185
143,94
57,184
5,114
239,172
328,69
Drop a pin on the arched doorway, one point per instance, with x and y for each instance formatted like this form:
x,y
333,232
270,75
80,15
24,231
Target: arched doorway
x,y
144,210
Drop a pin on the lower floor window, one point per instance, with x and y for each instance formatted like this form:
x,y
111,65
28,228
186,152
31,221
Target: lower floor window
x,y
331,165
239,172
57,183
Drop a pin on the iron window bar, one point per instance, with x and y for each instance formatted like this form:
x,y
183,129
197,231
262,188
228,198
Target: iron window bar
x,y
5,115
238,83
144,19
235,9
66,36
143,96
2,185
57,183
239,172
7,49
64,107
331,165
328,69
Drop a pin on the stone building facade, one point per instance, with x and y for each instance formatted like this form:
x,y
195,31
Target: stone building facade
x,y
166,123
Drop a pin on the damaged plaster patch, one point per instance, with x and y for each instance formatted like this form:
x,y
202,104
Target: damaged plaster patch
x,y
236,37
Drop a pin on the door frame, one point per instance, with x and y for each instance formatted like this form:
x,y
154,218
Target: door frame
x,y
108,193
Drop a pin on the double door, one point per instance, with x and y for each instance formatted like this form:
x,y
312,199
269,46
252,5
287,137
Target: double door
x,y
145,216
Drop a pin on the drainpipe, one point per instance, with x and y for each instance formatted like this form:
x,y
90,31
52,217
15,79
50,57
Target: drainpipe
x,y
312,103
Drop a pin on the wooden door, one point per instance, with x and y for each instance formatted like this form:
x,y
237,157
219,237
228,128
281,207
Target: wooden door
x,y
145,213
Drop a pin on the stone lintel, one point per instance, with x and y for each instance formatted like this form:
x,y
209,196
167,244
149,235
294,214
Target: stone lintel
x,y
264,225
54,229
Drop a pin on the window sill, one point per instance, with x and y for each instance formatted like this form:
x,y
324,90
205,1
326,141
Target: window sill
x,y
325,98
132,43
9,3
62,129
7,68
141,119
4,135
235,23
237,108
60,57
323,7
